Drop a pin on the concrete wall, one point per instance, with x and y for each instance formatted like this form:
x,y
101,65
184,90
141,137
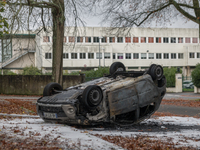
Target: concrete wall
x,y
32,85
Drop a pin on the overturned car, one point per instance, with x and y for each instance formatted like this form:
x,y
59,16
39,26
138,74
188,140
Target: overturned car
x,y
123,98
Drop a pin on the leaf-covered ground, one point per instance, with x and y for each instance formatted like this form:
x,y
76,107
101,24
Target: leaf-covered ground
x,y
38,140
181,102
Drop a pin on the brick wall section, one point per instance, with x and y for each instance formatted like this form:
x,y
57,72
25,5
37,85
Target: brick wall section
x,y
32,85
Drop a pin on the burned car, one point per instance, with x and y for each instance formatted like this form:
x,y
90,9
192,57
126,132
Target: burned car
x,y
123,98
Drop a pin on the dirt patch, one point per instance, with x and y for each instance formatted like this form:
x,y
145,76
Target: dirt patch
x,y
14,106
181,102
142,142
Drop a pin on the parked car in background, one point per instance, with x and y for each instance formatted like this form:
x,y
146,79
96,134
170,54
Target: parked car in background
x,y
123,97
188,84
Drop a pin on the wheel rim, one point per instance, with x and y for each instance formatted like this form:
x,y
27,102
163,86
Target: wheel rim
x,y
159,72
120,69
94,95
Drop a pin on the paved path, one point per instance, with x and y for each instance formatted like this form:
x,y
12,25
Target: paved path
x,y
180,110
19,97
184,95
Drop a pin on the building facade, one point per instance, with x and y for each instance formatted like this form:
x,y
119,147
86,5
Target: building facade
x,y
98,46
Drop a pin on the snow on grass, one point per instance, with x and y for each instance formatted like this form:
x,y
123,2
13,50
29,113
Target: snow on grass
x,y
38,128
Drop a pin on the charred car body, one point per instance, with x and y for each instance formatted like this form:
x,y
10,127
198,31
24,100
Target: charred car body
x,y
121,98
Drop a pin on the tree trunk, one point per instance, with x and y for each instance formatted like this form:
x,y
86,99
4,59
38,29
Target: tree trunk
x,y
58,35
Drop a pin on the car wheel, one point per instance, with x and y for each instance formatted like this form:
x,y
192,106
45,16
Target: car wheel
x,y
156,72
92,96
50,89
116,66
162,81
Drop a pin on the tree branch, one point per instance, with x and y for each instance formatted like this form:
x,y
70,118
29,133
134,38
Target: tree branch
x,y
32,3
183,12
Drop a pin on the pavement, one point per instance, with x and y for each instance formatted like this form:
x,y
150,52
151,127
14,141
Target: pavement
x,y
183,95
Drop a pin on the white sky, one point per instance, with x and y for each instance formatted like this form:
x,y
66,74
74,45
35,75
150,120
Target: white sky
x,y
180,23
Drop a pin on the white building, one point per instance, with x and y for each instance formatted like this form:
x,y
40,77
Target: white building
x,y
168,47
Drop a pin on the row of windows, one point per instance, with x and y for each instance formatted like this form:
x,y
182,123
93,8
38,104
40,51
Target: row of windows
x,y
72,39
126,55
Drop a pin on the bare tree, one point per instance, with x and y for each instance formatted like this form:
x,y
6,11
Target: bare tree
x,y
3,20
52,16
129,13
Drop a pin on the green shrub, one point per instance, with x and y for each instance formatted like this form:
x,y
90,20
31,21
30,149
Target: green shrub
x,y
98,73
196,76
170,75
8,72
31,71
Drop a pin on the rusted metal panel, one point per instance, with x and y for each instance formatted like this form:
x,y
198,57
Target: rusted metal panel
x,y
147,92
122,100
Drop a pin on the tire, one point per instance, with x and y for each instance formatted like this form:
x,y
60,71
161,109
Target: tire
x,y
156,72
92,96
117,66
162,81
49,89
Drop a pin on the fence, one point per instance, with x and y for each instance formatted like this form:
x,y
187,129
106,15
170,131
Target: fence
x,y
32,85
187,84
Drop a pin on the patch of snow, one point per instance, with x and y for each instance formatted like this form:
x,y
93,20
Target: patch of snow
x,y
185,137
64,132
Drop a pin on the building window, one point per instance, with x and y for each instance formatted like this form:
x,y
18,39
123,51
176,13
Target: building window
x,y
143,56
150,40
46,39
180,40
95,39
104,40
65,55
120,56
90,55
135,39
128,39
128,55
165,40
194,40
143,39
151,55
73,55
82,55
87,39
180,55
198,55
166,55
173,40
158,39
112,39
173,55
192,55
98,56
135,55
71,39
187,40
106,55
119,39
5,49
79,39
158,56
114,56
48,56
64,39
